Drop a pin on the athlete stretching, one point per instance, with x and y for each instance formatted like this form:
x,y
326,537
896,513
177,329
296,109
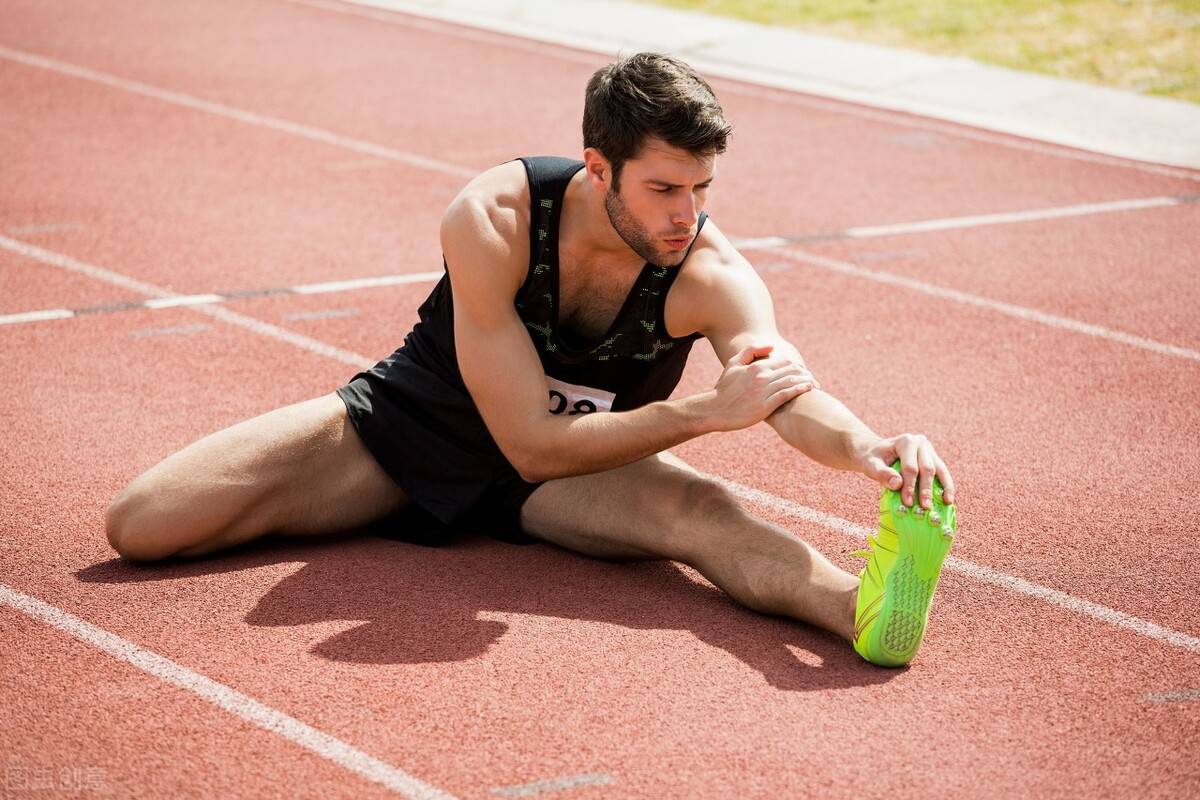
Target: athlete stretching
x,y
586,282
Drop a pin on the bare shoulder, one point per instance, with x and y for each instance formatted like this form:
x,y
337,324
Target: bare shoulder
x,y
488,222
715,281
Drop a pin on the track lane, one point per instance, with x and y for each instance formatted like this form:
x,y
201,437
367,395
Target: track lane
x,y
93,726
248,208
28,286
1132,271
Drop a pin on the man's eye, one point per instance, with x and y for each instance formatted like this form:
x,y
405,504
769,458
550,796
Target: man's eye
x,y
661,191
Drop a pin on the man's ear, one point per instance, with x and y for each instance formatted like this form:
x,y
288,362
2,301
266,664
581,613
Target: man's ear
x,y
599,171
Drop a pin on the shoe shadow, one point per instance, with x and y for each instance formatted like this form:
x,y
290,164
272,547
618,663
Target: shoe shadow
x,y
420,604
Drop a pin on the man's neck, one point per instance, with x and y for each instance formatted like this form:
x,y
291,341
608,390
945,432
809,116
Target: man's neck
x,y
591,236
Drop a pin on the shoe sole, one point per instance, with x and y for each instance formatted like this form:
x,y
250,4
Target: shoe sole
x,y
924,538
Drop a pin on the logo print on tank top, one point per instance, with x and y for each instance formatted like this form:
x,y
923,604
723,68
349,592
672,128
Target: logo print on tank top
x,y
545,209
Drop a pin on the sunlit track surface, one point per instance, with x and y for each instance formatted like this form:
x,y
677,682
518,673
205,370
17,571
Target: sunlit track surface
x,y
488,670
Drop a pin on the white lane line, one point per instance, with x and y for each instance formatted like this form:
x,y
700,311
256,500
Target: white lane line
x,y
553,785
978,571
367,283
971,221
141,287
1006,218
241,115
92,271
331,313
226,698
1020,312
36,316
734,80
761,243
183,300
1179,696
174,301
53,228
349,357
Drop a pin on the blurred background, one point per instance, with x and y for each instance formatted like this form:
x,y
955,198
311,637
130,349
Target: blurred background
x,y
1147,46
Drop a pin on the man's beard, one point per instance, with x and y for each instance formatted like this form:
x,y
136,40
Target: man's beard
x,y
634,234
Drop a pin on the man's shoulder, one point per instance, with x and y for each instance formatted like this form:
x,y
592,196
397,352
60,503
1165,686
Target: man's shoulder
x,y
493,204
501,187
714,264
714,279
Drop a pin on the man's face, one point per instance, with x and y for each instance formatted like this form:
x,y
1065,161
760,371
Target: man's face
x,y
659,202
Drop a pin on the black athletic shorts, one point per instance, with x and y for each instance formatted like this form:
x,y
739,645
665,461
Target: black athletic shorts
x,y
428,436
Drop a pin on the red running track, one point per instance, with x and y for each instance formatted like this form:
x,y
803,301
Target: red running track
x,y
482,666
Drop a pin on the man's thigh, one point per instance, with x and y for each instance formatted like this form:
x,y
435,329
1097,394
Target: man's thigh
x,y
637,511
300,469
323,478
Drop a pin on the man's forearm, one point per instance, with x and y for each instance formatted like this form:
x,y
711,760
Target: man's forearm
x,y
589,443
820,426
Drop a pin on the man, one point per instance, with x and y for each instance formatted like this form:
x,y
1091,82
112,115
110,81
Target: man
x,y
586,283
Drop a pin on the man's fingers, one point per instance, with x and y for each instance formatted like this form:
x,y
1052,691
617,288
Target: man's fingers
x,y
785,381
786,393
906,451
881,470
925,462
943,474
751,353
787,369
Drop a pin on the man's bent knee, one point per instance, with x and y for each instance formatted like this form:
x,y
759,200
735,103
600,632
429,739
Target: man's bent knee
x,y
154,518
706,514
708,500
135,530
122,528
140,529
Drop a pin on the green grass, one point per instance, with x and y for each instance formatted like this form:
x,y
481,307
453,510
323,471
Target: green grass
x,y
1148,46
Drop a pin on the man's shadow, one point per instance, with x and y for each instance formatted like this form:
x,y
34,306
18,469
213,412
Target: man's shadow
x,y
420,604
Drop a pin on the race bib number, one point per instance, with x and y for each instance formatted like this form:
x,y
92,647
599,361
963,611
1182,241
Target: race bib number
x,y
567,398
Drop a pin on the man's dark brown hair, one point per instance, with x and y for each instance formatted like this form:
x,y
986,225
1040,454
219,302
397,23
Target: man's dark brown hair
x,y
648,94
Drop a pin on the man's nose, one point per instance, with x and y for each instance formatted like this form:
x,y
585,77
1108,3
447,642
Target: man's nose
x,y
685,213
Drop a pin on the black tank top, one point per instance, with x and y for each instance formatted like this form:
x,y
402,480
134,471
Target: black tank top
x,y
636,361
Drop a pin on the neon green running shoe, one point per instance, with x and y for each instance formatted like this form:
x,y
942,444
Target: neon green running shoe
x,y
904,560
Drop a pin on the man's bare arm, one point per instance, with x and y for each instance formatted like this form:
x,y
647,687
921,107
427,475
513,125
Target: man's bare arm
x,y
824,429
485,244
739,309
817,424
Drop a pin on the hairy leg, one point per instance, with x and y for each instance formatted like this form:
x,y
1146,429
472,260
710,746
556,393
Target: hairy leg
x,y
661,508
300,469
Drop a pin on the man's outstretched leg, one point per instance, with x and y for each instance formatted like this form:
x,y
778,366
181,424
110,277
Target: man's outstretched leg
x,y
660,507
300,469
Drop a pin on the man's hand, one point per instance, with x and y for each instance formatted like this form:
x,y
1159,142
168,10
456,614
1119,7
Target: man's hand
x,y
753,384
918,466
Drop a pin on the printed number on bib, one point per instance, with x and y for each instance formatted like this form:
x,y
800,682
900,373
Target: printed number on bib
x,y
569,399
